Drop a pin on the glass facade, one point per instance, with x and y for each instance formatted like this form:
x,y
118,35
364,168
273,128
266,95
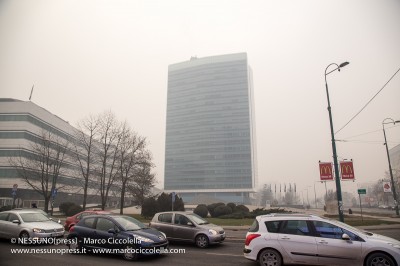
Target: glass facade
x,y
209,135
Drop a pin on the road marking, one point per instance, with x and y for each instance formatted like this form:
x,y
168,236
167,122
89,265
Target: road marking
x,y
225,254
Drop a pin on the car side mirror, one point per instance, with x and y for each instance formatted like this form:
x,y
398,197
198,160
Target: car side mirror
x,y
189,223
113,231
15,221
345,237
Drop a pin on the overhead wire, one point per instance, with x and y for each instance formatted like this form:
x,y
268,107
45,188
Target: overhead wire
x,y
350,139
368,102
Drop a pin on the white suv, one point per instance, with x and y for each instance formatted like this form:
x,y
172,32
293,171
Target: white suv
x,y
277,239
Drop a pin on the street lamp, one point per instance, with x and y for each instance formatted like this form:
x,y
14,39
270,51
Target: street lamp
x,y
390,166
335,162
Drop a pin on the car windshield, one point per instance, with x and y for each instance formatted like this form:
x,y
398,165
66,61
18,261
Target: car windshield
x,y
42,212
33,217
197,219
129,223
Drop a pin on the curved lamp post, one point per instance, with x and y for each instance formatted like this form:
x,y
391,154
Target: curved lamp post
x,y
396,204
335,161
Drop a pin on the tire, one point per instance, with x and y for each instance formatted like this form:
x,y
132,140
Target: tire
x,y
379,258
24,234
202,241
75,244
270,257
130,256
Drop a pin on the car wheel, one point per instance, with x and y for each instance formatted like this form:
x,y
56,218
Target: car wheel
x,y
202,241
378,259
129,253
270,257
75,244
24,235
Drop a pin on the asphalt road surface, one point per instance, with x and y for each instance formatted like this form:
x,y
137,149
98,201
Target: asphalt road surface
x,y
228,253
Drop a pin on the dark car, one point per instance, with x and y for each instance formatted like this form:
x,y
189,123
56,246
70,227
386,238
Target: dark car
x,y
116,234
182,226
73,220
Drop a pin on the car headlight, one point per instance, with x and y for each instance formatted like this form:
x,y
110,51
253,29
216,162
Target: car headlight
x,y
165,236
37,230
213,232
143,239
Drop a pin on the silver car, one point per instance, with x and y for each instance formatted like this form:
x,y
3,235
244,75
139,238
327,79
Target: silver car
x,y
278,239
42,212
28,224
182,226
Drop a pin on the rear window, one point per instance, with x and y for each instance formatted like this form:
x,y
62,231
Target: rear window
x,y
273,226
165,218
254,227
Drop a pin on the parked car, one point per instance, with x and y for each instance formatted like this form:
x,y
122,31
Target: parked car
x,y
278,239
121,234
182,226
42,212
73,220
28,223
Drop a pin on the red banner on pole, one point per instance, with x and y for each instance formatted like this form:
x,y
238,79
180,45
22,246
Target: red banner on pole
x,y
347,170
325,171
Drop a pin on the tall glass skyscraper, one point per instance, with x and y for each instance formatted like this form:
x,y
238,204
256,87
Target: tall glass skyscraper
x,y
210,136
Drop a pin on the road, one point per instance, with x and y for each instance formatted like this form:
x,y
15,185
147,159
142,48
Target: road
x,y
228,253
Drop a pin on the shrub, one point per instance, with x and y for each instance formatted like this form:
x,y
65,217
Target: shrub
x,y
232,206
64,207
74,209
211,207
242,208
222,210
149,207
262,211
201,210
5,208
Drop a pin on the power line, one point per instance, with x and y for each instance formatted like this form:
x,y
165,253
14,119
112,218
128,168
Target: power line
x,y
367,102
367,141
369,132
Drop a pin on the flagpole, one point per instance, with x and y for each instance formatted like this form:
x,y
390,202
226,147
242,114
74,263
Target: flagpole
x,y
30,96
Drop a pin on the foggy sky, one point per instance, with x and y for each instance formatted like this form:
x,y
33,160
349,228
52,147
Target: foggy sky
x,y
87,56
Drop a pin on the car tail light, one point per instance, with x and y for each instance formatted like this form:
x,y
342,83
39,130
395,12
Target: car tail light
x,y
250,237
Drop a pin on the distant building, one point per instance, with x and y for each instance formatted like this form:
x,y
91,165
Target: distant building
x,y
210,134
394,154
21,123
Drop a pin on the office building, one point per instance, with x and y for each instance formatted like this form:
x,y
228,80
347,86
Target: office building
x,y
210,133
21,125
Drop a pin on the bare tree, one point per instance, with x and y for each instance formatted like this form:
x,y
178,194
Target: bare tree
x,y
290,198
110,140
132,154
85,146
41,165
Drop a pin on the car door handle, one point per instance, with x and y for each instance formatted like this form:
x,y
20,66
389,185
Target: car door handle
x,y
285,237
323,242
